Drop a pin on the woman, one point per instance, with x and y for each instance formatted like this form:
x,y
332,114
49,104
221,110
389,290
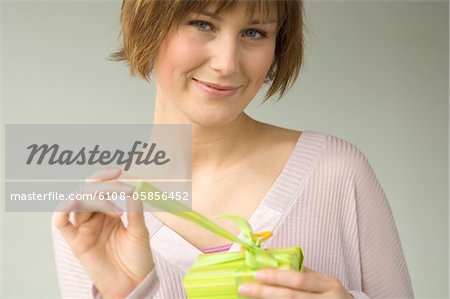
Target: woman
x,y
209,59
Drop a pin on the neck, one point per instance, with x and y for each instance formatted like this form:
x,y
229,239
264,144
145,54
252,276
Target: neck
x,y
217,147
212,147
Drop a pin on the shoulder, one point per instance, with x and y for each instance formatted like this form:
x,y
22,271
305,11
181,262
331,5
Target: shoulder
x,y
334,155
337,149
325,153
275,141
277,134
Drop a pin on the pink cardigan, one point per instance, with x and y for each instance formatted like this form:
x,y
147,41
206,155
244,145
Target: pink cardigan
x,y
326,200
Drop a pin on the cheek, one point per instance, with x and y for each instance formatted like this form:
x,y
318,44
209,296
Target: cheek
x,y
258,64
172,61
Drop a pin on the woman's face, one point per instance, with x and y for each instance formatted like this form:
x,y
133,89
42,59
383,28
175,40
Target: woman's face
x,y
211,66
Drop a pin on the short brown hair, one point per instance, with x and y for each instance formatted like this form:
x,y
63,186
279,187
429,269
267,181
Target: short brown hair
x,y
145,24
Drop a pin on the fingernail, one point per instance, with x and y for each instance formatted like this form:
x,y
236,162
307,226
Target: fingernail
x,y
261,275
245,289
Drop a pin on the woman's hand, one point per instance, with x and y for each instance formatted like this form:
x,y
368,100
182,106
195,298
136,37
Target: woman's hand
x,y
117,258
276,284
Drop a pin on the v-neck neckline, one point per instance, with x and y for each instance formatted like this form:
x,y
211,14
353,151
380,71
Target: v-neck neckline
x,y
266,216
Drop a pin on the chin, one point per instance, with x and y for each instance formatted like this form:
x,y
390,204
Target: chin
x,y
213,120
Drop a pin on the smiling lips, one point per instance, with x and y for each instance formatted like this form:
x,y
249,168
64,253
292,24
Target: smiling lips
x,y
216,89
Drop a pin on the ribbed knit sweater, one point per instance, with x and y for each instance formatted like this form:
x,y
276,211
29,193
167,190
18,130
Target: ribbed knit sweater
x,y
326,200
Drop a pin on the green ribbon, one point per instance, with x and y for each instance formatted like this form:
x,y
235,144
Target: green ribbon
x,y
255,256
217,275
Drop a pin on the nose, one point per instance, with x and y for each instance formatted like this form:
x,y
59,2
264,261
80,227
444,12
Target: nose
x,y
225,56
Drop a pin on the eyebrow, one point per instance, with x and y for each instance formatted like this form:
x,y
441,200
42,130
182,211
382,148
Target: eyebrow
x,y
252,22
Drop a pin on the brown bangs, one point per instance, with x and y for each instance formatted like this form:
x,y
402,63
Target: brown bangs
x,y
263,7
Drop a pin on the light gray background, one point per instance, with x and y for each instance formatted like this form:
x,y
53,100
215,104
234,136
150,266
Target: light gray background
x,y
376,74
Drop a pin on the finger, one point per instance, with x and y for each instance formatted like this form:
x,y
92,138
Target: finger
x,y
62,223
67,212
308,281
83,211
97,207
96,197
81,217
105,188
135,216
261,291
100,197
105,174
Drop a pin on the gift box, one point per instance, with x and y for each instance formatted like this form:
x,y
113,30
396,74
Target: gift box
x,y
218,275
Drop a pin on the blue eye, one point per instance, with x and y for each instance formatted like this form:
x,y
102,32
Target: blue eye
x,y
255,34
201,25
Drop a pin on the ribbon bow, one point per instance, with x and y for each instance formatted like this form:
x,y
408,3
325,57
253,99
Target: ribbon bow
x,y
255,256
